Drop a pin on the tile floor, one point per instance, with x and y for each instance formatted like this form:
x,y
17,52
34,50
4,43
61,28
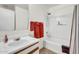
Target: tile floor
x,y
46,51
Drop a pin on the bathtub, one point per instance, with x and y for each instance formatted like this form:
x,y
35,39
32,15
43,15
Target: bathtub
x,y
53,44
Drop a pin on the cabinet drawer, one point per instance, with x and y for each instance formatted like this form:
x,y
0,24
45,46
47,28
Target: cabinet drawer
x,y
27,50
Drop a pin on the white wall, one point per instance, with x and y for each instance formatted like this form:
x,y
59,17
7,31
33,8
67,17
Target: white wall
x,y
21,18
6,20
37,12
60,34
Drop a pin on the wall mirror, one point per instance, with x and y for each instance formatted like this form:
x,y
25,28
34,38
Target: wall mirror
x,y
14,17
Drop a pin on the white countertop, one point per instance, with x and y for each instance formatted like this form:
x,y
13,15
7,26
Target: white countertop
x,y
13,47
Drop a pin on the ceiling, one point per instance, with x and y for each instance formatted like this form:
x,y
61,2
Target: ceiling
x,y
25,6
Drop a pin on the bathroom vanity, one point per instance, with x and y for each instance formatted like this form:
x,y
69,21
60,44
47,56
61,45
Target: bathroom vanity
x,y
31,49
26,45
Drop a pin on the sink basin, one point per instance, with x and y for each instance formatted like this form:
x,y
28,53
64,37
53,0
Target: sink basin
x,y
16,43
23,40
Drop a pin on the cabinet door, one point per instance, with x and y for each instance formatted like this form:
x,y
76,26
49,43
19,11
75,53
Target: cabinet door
x,y
26,51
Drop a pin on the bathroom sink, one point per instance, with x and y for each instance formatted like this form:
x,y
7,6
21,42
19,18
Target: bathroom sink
x,y
23,40
17,43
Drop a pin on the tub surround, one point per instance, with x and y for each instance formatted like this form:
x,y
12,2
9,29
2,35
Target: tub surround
x,y
57,34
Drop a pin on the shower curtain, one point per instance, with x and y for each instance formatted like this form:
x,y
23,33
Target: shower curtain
x,y
74,33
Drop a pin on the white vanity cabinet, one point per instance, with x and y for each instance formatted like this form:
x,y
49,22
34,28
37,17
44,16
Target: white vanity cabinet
x,y
31,49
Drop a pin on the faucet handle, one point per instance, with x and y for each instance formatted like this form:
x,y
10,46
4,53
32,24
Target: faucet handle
x,y
5,39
